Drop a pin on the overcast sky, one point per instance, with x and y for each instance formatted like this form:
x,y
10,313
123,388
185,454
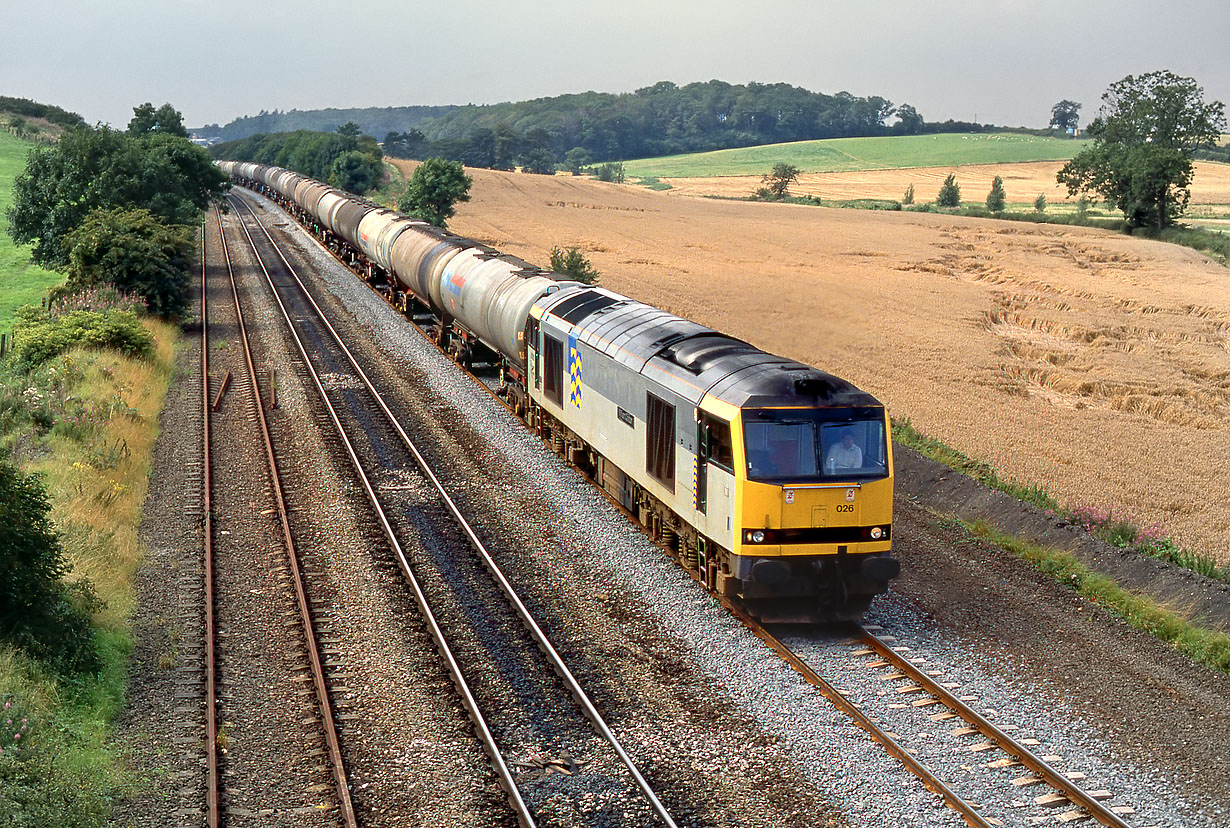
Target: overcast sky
x,y
997,61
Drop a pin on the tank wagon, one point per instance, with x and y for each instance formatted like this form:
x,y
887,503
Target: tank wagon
x,y
769,480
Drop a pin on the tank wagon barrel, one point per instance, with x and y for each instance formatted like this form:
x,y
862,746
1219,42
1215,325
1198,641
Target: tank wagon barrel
x,y
769,480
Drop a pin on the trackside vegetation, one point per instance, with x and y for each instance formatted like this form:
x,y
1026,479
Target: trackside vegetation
x,y
1209,647
82,384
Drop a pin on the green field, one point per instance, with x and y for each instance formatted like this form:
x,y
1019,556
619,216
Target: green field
x,y
853,154
20,281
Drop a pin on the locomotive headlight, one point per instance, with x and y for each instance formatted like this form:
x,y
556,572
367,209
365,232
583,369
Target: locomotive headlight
x,y
876,533
756,537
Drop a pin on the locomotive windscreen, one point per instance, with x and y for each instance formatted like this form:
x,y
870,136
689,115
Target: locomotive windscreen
x,y
803,445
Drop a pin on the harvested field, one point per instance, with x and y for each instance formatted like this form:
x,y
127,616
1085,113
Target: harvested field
x,y
1022,183
1093,363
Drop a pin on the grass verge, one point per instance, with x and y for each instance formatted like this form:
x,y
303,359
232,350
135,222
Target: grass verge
x,y
1206,646
1116,529
89,427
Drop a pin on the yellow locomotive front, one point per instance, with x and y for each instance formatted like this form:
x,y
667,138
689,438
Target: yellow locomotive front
x,y
815,493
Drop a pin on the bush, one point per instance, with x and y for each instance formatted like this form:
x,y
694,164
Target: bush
x,y
50,620
1040,203
996,197
950,193
573,264
38,335
135,251
611,172
907,198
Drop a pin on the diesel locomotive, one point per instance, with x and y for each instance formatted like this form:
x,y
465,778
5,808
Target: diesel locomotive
x,y
770,481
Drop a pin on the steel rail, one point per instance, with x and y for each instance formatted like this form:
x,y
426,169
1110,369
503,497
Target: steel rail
x,y
505,778
211,688
932,782
336,763
544,644
1074,793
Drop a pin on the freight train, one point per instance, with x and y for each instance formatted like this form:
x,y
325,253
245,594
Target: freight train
x,y
770,481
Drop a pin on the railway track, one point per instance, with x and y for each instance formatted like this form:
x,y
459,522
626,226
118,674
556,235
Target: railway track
x,y
938,704
542,733
234,543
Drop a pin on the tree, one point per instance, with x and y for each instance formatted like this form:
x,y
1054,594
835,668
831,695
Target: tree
x,y
38,611
355,172
166,119
950,192
909,122
778,181
907,197
1065,115
1040,203
409,144
539,160
1143,139
90,169
434,189
350,129
134,251
577,159
996,197
573,264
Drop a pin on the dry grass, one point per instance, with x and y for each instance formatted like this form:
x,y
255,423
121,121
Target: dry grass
x,y
97,488
1088,362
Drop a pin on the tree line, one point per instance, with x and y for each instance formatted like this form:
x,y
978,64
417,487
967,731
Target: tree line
x,y
344,158
663,119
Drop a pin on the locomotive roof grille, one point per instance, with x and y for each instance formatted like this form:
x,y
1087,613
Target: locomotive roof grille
x,y
576,308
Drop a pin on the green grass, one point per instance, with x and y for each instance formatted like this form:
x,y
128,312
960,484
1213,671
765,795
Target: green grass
x,y
1198,643
21,282
853,154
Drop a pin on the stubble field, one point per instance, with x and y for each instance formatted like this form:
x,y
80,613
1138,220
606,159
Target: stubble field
x,y
1023,182
1095,364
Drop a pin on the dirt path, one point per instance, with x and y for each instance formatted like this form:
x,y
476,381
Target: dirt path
x,y
1096,364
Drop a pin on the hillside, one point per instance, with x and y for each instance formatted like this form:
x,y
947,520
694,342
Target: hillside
x,y
374,121
852,154
1021,345
20,281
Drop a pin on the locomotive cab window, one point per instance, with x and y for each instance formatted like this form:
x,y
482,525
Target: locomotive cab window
x,y
803,445
553,369
718,445
660,441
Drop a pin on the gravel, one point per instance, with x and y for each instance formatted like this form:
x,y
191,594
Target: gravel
x,y
726,730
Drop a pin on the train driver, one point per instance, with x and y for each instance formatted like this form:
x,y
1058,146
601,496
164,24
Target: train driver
x,y
844,455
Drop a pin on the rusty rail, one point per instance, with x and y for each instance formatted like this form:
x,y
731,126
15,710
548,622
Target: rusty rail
x,y
211,690
1073,793
334,750
932,782
556,662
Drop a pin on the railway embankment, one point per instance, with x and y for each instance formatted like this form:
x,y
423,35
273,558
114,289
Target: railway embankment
x,y
1205,601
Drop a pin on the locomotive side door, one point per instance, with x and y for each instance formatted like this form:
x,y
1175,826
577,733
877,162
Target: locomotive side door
x,y
700,485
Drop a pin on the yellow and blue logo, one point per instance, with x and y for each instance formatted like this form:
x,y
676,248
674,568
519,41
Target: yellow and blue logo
x,y
574,370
